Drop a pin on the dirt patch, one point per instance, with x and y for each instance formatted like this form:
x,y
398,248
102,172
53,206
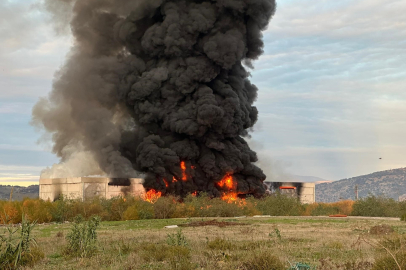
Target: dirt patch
x,y
381,229
212,223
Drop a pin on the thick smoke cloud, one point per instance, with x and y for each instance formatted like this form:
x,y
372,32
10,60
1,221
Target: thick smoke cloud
x,y
150,84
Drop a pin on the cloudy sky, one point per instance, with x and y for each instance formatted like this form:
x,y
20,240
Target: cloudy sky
x,y
332,83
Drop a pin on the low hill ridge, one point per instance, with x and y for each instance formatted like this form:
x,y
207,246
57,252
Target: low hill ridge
x,y
19,192
390,183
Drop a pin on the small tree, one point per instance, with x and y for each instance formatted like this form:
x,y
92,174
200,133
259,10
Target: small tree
x,y
82,239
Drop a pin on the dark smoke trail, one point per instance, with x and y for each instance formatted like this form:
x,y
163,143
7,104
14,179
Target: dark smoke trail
x,y
154,85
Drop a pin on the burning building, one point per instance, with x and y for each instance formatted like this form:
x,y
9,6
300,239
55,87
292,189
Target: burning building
x,y
303,191
84,188
159,87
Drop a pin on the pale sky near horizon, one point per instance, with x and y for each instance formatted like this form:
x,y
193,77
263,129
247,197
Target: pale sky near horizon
x,y
332,83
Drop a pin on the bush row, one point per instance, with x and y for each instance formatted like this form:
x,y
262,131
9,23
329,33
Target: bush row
x,y
133,208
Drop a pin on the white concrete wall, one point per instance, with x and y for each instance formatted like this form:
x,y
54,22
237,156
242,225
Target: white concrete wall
x,y
308,193
86,188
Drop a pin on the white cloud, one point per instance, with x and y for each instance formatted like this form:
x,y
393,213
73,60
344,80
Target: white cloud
x,y
30,52
332,86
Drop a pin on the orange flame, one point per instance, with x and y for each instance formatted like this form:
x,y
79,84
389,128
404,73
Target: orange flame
x,y
183,167
174,180
227,182
152,196
230,185
230,197
194,194
166,183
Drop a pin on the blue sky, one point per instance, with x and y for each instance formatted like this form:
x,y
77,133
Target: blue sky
x,y
332,82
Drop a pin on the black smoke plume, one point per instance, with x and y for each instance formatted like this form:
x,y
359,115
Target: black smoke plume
x,y
151,84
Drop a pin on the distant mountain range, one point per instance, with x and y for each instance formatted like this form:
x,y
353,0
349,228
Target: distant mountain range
x,y
19,193
390,183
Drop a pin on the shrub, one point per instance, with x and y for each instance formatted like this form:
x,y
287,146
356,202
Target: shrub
x,y
220,244
60,210
11,213
279,205
131,213
164,207
375,206
38,210
393,242
116,207
179,258
218,208
153,252
381,229
345,207
139,210
17,246
249,207
34,256
82,239
178,239
160,252
184,210
388,263
325,209
263,260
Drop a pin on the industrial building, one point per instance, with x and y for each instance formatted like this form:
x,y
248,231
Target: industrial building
x,y
306,192
89,187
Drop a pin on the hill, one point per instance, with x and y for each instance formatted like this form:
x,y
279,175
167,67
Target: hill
x,y
19,192
390,183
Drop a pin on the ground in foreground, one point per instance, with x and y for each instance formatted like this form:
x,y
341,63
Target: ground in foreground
x,y
326,243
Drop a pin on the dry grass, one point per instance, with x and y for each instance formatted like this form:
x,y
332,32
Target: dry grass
x,y
142,244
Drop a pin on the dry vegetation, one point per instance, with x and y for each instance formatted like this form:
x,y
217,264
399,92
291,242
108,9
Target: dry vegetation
x,y
328,243
132,234
134,208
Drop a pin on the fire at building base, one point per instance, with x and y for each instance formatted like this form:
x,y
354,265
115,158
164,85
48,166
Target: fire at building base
x,y
85,188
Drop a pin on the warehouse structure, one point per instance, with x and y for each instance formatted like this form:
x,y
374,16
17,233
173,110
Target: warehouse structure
x,y
89,187
306,192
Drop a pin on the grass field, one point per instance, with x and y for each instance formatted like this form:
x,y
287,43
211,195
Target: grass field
x,y
328,243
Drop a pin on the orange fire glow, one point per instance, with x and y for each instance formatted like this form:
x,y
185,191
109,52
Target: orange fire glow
x,y
194,194
183,167
227,182
230,197
152,196
166,183
174,180
230,185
